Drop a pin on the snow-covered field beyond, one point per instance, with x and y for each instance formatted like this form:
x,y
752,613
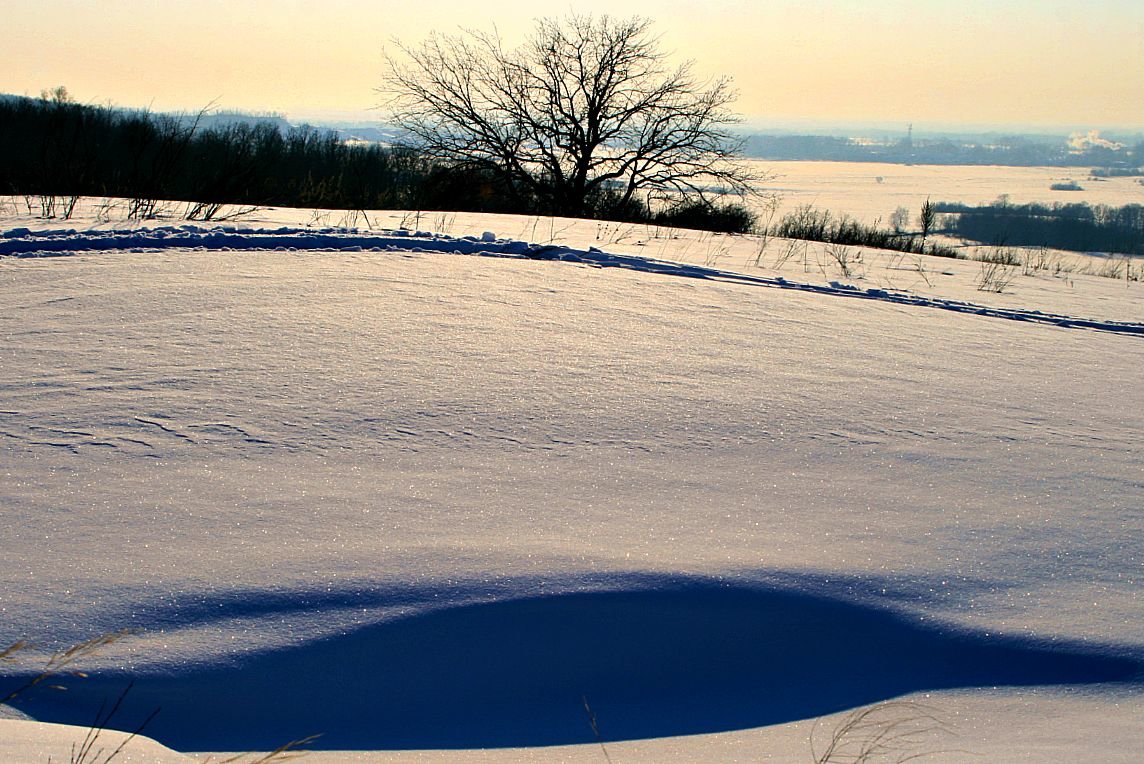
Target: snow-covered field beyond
x,y
435,493
871,191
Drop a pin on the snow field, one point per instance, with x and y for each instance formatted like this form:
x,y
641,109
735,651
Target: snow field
x,y
465,493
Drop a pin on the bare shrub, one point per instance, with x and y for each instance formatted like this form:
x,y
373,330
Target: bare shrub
x,y
920,269
207,211
67,206
845,258
353,219
995,276
1002,256
761,242
47,206
614,233
104,209
788,252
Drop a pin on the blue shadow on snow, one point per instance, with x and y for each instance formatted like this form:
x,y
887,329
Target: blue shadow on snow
x,y
686,659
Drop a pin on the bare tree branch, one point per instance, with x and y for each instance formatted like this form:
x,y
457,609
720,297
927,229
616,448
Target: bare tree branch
x,y
586,106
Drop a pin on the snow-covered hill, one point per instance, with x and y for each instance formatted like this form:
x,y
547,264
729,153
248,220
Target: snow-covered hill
x,y
484,486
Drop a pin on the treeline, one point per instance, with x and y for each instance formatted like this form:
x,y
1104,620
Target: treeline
x,y
1076,227
1013,151
53,147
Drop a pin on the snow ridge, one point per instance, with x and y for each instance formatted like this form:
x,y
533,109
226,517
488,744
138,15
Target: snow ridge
x,y
23,242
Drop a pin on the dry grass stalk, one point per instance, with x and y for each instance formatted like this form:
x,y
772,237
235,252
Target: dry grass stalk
x,y
895,731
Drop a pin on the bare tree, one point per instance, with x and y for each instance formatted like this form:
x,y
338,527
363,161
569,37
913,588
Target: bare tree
x,y
586,107
899,219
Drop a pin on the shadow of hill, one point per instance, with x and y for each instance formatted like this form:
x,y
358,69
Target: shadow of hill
x,y
692,658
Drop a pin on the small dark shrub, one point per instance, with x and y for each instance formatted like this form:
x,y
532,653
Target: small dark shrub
x,y
708,216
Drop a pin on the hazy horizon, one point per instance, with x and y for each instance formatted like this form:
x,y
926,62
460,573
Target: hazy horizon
x,y
1032,65
751,125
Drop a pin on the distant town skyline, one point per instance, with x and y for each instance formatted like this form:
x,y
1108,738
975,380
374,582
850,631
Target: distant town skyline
x,y
885,63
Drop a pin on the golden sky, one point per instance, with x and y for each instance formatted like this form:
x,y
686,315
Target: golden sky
x,y
891,62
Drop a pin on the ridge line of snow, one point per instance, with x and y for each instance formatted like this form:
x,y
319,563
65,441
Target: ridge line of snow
x,y
25,243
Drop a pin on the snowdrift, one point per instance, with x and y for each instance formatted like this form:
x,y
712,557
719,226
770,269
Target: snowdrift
x,y
662,659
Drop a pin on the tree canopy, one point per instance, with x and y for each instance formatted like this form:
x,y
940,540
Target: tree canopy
x,y
586,112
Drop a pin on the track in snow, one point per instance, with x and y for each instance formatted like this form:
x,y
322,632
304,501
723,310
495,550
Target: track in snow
x,y
23,242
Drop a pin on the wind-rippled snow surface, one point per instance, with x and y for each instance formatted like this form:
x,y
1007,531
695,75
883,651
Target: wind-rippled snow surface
x,y
353,483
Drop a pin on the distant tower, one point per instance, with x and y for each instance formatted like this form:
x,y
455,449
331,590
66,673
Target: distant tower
x,y
910,136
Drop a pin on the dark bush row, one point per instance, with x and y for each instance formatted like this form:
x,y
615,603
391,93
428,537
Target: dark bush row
x,y
820,225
